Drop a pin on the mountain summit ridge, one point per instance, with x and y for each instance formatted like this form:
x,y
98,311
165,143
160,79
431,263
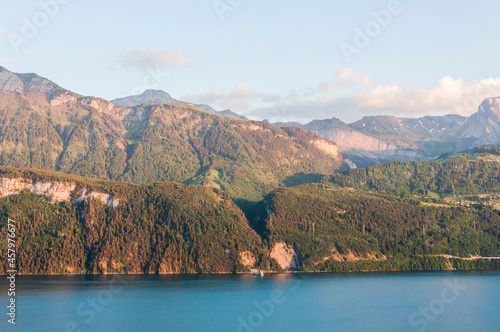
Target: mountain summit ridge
x,y
44,126
152,97
368,141
14,82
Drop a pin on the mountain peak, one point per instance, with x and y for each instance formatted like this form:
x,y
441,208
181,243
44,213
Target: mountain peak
x,y
155,93
147,97
12,82
490,106
153,97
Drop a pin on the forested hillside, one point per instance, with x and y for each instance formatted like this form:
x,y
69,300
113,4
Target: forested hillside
x,y
341,229
175,228
463,176
162,228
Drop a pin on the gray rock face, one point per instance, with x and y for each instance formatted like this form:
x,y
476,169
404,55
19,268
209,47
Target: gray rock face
x,y
9,82
12,82
483,126
363,148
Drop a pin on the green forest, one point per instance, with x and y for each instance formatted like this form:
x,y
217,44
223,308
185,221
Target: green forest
x,y
162,228
468,175
397,232
175,228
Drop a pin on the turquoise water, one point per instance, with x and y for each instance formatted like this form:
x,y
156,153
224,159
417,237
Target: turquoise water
x,y
448,301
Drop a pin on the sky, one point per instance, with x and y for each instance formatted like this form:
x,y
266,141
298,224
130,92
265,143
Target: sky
x,y
276,60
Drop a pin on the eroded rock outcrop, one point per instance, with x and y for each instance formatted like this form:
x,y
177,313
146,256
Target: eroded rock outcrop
x,y
287,258
54,191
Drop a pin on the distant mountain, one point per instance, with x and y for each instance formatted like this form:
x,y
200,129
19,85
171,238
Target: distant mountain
x,y
148,97
375,139
45,126
363,149
483,126
153,97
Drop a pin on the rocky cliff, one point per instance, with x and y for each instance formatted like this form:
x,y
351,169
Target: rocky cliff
x,y
53,191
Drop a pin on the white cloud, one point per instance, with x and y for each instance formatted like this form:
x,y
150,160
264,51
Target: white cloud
x,y
237,99
2,31
350,96
153,58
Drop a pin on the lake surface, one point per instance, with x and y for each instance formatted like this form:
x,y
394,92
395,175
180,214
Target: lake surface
x,y
447,301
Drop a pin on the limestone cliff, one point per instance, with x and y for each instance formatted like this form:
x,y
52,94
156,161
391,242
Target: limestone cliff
x,y
54,191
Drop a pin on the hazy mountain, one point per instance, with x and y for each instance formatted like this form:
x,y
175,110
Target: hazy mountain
x,y
483,126
152,97
147,97
47,127
375,139
363,149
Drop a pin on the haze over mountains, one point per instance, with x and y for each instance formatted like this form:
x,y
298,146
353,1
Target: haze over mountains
x,y
375,139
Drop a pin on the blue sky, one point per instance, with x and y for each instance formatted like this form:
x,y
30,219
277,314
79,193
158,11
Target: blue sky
x,y
280,60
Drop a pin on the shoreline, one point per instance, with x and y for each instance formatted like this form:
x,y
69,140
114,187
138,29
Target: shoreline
x,y
249,273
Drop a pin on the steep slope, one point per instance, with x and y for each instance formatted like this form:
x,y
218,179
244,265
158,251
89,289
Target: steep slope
x,y
483,126
152,97
44,126
243,158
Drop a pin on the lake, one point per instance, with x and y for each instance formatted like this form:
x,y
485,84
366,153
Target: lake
x,y
444,301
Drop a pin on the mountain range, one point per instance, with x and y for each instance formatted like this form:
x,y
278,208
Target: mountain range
x,y
376,139
76,127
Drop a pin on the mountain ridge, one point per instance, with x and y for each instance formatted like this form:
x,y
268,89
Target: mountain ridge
x,y
48,127
376,139
152,96
370,140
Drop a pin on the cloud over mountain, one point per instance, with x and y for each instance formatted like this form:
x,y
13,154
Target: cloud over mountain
x,y
350,96
153,57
